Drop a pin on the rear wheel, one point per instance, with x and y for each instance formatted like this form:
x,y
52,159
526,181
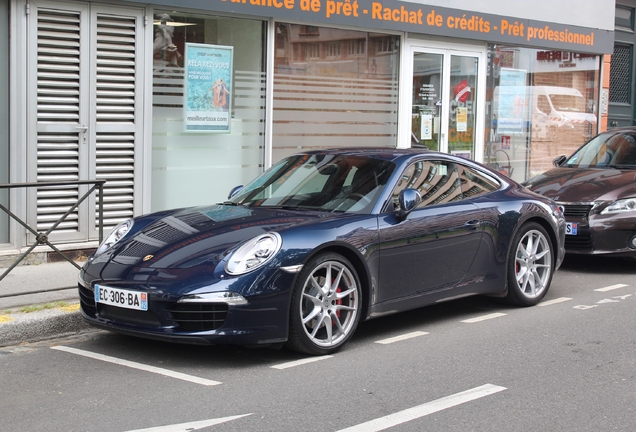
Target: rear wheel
x,y
530,265
325,307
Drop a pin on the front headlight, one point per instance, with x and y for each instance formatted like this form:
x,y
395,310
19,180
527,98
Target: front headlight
x,y
253,254
114,236
620,206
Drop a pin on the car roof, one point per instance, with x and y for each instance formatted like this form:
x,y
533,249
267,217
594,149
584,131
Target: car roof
x,y
386,153
396,155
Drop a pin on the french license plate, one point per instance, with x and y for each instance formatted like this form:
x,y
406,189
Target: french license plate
x,y
571,228
121,298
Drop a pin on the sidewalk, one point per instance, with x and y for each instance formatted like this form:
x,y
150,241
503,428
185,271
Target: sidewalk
x,y
39,287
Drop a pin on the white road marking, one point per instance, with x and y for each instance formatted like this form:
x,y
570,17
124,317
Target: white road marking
x,y
484,317
192,426
401,337
611,287
554,301
140,366
608,301
300,362
425,409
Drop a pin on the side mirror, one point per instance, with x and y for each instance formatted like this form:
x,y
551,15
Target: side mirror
x,y
559,160
234,191
409,199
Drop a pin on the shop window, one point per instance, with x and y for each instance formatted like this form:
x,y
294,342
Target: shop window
x,y
339,96
192,163
540,104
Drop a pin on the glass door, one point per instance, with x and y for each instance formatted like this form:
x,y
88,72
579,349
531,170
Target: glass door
x,y
462,105
426,108
445,113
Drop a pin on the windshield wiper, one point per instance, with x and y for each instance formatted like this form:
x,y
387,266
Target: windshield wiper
x,y
288,207
230,203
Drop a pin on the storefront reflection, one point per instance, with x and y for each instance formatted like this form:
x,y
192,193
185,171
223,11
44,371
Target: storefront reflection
x,y
540,104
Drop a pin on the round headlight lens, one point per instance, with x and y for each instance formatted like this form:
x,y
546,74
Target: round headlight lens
x,y
114,236
253,254
620,206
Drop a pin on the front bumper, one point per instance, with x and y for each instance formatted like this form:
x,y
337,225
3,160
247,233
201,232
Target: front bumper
x,y
261,319
597,233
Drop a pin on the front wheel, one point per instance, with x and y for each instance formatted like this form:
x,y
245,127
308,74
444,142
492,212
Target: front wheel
x,y
325,307
530,265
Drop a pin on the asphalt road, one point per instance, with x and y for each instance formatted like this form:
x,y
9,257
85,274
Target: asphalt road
x,y
468,365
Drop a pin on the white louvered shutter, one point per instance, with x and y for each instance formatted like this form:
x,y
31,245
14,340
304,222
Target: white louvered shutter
x,y
118,71
85,106
57,110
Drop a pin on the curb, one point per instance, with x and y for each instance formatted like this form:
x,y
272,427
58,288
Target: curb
x,y
21,328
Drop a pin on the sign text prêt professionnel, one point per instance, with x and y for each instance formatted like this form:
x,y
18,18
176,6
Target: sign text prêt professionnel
x,y
417,18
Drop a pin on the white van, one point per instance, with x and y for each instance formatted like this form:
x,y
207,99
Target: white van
x,y
547,107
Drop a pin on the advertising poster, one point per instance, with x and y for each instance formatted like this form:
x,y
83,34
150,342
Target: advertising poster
x,y
511,104
462,119
208,88
426,130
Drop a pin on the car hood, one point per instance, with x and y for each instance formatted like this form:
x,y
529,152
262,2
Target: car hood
x,y
193,236
584,184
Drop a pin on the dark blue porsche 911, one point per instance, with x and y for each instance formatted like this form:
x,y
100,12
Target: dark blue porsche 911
x,y
319,242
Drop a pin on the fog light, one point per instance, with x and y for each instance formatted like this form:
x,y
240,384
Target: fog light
x,y
632,242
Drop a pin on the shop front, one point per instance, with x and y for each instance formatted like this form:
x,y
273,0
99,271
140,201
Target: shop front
x,y
174,106
507,91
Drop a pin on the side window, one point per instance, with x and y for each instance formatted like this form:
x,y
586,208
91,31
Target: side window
x,y
475,183
622,149
437,182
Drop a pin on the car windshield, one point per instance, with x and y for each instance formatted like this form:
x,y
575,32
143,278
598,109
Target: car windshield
x,y
609,150
334,183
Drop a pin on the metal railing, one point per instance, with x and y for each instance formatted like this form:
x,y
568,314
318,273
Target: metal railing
x,y
42,238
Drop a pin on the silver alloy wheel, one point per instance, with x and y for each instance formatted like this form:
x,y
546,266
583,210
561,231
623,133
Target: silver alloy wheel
x,y
329,304
533,264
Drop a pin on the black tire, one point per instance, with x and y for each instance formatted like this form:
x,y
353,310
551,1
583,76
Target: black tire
x,y
530,265
323,316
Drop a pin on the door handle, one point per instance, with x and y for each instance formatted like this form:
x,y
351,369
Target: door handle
x,y
472,225
82,129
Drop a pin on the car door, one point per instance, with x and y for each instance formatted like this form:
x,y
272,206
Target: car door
x,y
435,245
